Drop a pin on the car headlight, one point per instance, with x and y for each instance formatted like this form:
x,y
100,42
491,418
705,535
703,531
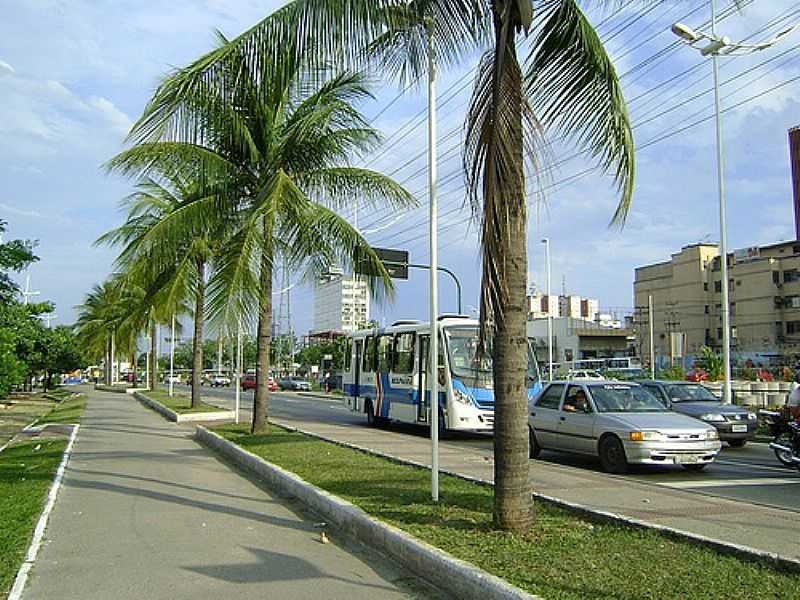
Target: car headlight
x,y
712,435
646,436
752,416
462,397
713,417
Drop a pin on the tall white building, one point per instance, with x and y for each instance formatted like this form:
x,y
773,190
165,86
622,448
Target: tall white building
x,y
541,306
341,303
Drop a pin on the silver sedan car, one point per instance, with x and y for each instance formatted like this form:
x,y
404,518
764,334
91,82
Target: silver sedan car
x,y
621,423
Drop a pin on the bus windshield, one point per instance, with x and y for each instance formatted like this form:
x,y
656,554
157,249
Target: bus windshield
x,y
462,346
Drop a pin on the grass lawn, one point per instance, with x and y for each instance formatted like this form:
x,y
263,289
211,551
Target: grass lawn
x,y
25,477
179,402
68,411
563,556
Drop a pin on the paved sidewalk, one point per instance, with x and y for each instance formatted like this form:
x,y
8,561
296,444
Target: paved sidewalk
x,y
144,512
761,527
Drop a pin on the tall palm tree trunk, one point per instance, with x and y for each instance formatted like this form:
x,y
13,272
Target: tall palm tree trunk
x,y
512,498
197,340
263,343
152,384
109,360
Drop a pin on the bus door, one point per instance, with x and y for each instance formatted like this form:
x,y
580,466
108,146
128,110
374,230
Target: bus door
x,y
357,351
422,381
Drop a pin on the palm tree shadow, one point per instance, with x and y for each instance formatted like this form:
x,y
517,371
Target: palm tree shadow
x,y
276,566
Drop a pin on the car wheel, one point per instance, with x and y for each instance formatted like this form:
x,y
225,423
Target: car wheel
x,y
695,468
737,443
534,449
612,455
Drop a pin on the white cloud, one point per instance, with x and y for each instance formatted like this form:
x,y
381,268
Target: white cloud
x,y
19,212
5,68
119,121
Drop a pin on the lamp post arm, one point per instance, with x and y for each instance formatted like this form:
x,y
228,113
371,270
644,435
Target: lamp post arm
x,y
443,270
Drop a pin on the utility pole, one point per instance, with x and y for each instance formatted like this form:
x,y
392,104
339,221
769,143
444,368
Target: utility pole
x,y
27,292
651,321
172,356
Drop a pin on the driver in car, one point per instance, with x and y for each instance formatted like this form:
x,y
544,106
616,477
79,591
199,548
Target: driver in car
x,y
576,402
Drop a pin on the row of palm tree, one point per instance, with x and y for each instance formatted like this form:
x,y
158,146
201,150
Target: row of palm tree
x,y
263,127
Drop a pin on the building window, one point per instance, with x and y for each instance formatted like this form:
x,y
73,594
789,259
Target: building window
x,y
718,308
716,264
730,283
791,275
791,302
792,327
369,354
705,286
717,286
733,308
738,282
776,277
719,333
706,309
404,352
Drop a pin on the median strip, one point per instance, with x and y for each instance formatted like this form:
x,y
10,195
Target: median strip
x,y
178,407
567,553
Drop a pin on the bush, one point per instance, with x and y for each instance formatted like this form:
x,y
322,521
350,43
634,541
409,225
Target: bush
x,y
676,373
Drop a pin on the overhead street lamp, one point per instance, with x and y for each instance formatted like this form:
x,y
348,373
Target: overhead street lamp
x,y
711,44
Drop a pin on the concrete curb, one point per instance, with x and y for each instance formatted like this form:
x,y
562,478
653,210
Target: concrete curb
x,y
457,577
778,561
110,388
220,415
322,395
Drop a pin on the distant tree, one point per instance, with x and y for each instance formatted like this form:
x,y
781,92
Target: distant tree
x,y
15,255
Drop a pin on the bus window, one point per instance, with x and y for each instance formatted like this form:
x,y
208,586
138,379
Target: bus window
x,y
347,357
369,354
404,353
384,353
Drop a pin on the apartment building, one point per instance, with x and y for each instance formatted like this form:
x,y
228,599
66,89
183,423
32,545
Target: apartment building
x,y
764,295
341,303
541,306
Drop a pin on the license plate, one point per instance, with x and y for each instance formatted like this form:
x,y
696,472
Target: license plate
x,y
739,428
686,460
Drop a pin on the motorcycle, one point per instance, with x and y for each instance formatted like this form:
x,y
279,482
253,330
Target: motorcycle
x,y
785,432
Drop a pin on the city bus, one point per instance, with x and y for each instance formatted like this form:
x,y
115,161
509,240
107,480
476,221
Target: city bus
x,y
386,375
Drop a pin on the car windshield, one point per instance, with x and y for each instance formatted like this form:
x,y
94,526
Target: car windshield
x,y
690,393
624,398
462,349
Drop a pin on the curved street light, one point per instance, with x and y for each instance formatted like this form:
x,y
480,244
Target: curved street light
x,y
711,44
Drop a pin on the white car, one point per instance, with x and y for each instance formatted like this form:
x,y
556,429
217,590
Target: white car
x,y
220,381
621,423
584,375
173,379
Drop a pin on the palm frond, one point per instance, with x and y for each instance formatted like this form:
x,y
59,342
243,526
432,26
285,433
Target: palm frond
x,y
573,87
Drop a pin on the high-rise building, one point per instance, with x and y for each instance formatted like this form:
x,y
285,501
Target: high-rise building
x,y
541,306
341,303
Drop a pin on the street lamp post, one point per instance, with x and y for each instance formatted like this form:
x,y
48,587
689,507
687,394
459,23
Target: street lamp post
x,y
546,242
172,356
715,46
433,350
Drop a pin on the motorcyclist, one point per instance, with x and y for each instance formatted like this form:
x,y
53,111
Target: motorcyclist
x,y
793,401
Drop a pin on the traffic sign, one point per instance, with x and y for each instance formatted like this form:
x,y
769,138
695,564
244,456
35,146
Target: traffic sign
x,y
395,262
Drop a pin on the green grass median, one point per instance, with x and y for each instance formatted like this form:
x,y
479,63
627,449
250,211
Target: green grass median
x,y
563,555
27,469
179,402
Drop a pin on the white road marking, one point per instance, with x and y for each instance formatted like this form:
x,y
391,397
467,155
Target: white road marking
x,y
712,483
38,533
736,463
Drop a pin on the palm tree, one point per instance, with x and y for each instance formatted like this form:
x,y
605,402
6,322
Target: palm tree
x,y
167,245
273,144
567,86
99,318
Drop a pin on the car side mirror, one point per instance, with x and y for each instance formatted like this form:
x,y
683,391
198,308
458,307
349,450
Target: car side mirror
x,y
587,409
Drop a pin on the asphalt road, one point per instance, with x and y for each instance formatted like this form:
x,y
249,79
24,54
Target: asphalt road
x,y
751,474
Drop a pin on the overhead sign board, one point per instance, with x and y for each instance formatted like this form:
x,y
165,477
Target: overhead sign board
x,y
395,262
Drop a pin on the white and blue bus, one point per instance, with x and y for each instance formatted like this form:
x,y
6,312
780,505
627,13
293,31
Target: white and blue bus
x,y
386,375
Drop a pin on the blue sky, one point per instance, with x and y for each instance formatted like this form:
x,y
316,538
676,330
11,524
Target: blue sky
x,y
74,75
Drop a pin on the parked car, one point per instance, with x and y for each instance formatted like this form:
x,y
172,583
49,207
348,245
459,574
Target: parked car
x,y
582,374
173,379
220,381
295,384
734,424
621,423
249,382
